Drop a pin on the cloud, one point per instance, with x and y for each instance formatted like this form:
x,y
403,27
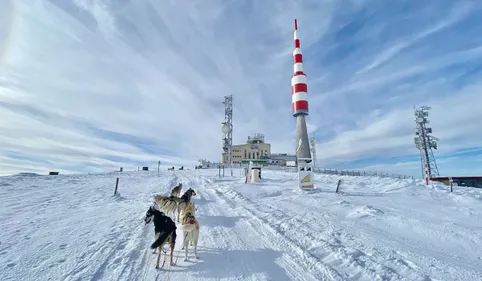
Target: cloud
x,y
455,15
94,85
459,166
369,99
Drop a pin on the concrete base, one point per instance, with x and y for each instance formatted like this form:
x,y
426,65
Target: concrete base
x,y
305,174
302,141
303,155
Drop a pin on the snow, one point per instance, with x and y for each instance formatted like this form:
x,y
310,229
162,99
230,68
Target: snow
x,y
72,227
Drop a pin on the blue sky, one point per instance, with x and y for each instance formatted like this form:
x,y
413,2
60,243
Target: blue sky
x,y
90,86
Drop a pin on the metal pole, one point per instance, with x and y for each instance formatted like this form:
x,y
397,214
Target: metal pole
x,y
116,185
230,159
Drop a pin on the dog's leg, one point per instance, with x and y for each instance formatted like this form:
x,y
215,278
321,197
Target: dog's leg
x,y
186,251
195,240
184,241
172,253
194,235
186,245
156,235
178,211
159,249
195,251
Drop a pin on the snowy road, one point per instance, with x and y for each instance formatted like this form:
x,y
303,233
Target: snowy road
x,y
237,245
73,228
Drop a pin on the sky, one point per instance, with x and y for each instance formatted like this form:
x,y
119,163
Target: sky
x,y
91,86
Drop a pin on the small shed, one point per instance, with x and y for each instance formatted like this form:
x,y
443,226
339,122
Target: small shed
x,y
257,164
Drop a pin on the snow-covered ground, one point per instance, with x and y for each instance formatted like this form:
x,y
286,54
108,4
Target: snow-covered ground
x,y
73,228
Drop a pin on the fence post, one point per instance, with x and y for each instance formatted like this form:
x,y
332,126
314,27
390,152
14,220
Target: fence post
x,y
338,186
451,184
116,185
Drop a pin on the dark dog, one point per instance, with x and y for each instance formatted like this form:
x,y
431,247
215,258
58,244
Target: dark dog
x,y
176,191
164,231
184,200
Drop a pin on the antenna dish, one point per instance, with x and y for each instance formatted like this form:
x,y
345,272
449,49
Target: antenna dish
x,y
226,128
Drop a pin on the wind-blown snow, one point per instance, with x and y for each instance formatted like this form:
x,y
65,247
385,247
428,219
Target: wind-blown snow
x,y
74,228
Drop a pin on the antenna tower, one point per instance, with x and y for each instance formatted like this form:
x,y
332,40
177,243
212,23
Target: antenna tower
x,y
300,109
227,128
313,150
424,141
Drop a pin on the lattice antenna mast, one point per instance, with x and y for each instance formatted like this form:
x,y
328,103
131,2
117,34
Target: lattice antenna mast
x,y
425,142
313,150
227,128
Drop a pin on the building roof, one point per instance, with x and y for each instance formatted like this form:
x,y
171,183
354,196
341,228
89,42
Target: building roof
x,y
246,161
283,156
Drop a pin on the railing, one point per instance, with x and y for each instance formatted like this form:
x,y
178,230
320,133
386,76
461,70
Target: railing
x,y
361,173
342,172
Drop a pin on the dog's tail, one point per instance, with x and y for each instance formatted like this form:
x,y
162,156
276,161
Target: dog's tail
x,y
160,240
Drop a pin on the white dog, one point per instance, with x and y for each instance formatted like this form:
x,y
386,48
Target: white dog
x,y
190,228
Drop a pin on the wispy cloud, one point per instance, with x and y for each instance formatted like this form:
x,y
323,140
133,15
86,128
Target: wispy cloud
x,y
94,85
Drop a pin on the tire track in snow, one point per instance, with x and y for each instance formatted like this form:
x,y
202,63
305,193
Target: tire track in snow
x,y
296,253
300,264
384,258
231,248
381,261
350,262
227,238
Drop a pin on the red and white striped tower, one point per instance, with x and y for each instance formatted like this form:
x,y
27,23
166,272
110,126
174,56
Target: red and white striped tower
x,y
299,102
299,106
299,88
